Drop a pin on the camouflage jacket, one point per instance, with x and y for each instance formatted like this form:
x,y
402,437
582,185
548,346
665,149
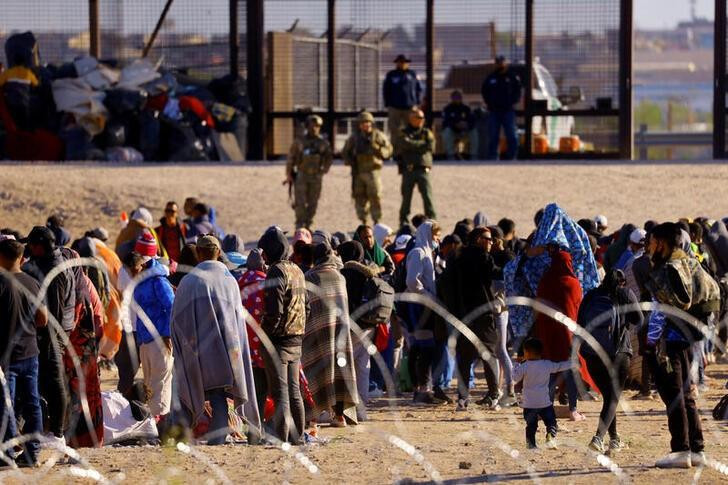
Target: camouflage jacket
x,y
683,283
310,155
366,152
286,306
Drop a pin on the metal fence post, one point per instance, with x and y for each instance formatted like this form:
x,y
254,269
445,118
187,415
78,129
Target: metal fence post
x,y
430,60
719,80
234,39
626,131
256,87
331,60
93,29
527,82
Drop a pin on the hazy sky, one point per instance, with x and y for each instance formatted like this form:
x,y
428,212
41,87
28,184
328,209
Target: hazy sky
x,y
19,14
666,13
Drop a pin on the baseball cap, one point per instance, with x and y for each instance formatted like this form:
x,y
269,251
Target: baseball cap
x,y
208,242
315,120
601,221
401,242
638,236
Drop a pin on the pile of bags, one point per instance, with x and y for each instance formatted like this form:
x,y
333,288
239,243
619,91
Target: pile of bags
x,y
91,110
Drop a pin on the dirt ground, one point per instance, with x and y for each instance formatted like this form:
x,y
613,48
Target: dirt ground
x,y
249,198
401,442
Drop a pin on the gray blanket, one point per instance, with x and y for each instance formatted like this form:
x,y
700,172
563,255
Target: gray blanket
x,y
210,342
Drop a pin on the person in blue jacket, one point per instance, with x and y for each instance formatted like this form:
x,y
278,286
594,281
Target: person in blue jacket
x,y
153,298
501,91
402,93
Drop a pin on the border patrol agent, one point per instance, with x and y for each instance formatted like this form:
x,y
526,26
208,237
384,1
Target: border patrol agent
x,y
415,147
365,152
309,159
402,92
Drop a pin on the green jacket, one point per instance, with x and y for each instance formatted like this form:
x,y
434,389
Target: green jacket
x,y
309,155
366,152
415,147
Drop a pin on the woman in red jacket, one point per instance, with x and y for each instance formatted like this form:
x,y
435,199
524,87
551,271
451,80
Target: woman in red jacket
x,y
559,288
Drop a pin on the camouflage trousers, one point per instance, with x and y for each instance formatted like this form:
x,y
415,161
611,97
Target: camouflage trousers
x,y
307,190
367,188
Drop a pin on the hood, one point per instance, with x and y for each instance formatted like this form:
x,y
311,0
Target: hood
x,y
368,271
274,244
351,251
155,268
480,220
381,231
423,236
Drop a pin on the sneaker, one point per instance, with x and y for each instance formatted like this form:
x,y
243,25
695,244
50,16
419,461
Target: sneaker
x,y
576,416
697,459
551,442
338,422
616,444
677,459
23,460
53,441
462,405
440,394
424,398
508,400
597,444
376,393
490,402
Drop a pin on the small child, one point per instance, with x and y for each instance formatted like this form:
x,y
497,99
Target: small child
x,y
537,402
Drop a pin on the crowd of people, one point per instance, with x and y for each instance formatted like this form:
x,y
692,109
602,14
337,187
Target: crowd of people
x,y
307,329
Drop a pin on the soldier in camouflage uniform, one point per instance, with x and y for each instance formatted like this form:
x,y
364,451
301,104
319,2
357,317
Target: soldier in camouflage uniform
x,y
414,147
365,152
309,159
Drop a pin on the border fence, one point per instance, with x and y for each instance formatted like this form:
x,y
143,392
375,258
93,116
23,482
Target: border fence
x,y
330,57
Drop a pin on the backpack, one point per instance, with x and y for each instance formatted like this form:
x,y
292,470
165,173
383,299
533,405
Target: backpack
x,y
600,318
706,297
376,288
720,411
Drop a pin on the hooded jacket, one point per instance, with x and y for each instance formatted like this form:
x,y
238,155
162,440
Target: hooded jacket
x,y
286,305
155,297
61,293
356,275
421,263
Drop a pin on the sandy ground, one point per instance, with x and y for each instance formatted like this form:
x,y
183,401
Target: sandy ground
x,y
249,198
401,442
414,444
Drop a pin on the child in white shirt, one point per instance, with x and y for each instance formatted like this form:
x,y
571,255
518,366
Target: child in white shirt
x,y
537,402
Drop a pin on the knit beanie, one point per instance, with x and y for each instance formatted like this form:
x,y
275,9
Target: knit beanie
x,y
146,245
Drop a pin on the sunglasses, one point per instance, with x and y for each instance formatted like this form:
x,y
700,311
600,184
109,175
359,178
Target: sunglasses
x,y
170,211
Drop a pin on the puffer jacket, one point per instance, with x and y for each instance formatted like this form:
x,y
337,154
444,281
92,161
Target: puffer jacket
x,y
155,297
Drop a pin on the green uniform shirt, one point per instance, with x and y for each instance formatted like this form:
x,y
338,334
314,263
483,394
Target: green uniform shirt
x,y
415,147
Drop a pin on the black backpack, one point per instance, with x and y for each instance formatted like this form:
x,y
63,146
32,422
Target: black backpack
x,y
376,288
720,411
600,318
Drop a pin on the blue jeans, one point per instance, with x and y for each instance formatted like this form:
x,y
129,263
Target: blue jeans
x,y
22,377
507,120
